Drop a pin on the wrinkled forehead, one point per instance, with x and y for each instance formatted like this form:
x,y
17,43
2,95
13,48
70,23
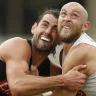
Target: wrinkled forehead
x,y
73,6
51,19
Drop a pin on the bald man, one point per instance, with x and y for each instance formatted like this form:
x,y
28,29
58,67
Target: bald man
x,y
78,48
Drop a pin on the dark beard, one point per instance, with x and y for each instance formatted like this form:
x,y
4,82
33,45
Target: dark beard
x,y
50,50
71,38
42,49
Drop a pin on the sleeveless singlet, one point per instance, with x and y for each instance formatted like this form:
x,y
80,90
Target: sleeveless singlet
x,y
44,70
89,88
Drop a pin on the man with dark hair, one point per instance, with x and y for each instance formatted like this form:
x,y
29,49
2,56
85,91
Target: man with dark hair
x,y
18,56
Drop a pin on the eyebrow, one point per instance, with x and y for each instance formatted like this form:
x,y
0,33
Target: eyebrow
x,y
63,10
48,23
76,11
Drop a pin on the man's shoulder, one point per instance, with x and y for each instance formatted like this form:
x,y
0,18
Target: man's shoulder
x,y
13,42
78,51
82,51
14,47
83,47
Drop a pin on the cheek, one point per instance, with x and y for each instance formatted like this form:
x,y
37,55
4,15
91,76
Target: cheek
x,y
77,23
60,23
78,27
39,31
55,36
60,20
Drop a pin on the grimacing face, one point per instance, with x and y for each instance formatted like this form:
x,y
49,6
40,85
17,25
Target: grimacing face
x,y
45,34
71,22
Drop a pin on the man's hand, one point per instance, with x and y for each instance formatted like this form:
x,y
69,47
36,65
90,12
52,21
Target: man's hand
x,y
75,79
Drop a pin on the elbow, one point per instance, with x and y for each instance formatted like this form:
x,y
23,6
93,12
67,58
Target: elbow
x,y
16,89
20,88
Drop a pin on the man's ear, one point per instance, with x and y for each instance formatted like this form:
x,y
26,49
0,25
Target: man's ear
x,y
33,28
86,26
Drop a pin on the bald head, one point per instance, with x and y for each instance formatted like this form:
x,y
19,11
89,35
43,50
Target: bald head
x,y
76,6
72,22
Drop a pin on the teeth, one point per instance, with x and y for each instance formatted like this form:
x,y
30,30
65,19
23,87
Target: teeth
x,y
66,26
45,39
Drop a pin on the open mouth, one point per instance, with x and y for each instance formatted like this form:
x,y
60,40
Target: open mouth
x,y
45,39
66,27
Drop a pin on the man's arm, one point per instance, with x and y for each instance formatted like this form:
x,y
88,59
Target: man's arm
x,y
23,84
71,60
55,69
65,91
17,55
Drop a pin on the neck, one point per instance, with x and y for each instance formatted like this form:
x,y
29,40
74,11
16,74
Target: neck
x,y
66,47
38,57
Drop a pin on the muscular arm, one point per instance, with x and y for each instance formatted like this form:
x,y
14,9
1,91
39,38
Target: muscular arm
x,y
74,57
16,53
81,54
25,84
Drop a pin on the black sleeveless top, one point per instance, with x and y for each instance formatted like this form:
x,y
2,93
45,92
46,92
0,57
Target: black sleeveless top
x,y
44,70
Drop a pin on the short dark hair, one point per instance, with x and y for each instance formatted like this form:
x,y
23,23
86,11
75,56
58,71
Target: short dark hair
x,y
54,12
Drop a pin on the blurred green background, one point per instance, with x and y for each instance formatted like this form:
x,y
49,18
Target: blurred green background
x,y
17,16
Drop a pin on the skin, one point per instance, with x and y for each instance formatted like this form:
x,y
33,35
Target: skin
x,y
20,81
71,24
48,30
17,67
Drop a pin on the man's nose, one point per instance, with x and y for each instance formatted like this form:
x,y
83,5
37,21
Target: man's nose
x,y
48,31
67,18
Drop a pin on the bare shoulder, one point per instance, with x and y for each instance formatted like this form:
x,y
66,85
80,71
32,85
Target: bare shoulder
x,y
76,56
84,49
14,48
81,54
78,51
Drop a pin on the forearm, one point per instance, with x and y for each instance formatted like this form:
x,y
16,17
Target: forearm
x,y
32,85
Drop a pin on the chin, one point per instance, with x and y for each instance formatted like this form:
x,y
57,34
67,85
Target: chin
x,y
42,48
